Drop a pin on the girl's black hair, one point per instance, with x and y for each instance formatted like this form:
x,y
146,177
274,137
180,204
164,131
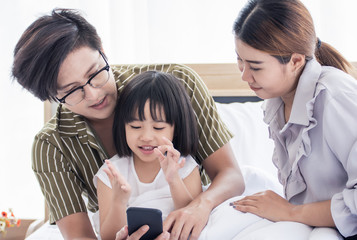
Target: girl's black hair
x,y
164,92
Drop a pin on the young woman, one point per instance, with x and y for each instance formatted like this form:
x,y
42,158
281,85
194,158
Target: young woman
x,y
60,57
154,125
310,108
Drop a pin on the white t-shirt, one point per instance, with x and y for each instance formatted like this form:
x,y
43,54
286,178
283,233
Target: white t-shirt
x,y
151,195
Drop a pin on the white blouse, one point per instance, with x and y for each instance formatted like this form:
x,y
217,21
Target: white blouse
x,y
316,150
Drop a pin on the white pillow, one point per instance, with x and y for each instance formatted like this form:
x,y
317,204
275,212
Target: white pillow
x,y
251,144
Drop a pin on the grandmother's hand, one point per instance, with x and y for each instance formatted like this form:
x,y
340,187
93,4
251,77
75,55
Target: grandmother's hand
x,y
189,221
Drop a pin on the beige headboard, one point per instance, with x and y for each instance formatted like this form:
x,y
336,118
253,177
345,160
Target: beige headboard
x,y
223,79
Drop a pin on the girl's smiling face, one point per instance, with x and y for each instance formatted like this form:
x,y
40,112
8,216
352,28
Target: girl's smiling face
x,y
143,136
266,76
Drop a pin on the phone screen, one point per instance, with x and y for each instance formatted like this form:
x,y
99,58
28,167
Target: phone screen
x,y
138,217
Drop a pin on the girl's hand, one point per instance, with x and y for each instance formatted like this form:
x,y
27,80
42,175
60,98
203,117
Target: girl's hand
x,y
121,188
123,234
267,204
169,162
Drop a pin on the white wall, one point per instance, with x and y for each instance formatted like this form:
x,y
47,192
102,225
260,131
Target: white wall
x,y
133,31
335,22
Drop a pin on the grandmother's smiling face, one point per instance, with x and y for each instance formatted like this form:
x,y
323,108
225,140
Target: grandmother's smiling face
x,y
77,68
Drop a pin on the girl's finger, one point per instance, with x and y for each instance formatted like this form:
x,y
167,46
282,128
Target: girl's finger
x,y
182,163
167,141
109,173
115,173
173,153
122,234
163,148
170,151
159,154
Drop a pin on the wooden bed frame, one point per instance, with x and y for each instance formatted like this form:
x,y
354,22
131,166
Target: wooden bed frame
x,y
223,79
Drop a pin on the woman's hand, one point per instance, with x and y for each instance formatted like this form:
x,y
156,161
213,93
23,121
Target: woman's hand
x,y
121,188
273,207
124,235
267,204
169,162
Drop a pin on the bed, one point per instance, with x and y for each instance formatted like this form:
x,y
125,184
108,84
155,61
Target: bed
x,y
241,111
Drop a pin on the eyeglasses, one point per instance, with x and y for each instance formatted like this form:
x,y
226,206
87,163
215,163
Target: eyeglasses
x,y
98,80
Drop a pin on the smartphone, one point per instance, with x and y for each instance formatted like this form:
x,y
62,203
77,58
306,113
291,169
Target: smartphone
x,y
138,216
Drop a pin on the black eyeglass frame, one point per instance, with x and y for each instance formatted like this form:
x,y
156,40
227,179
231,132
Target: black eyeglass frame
x,y
106,68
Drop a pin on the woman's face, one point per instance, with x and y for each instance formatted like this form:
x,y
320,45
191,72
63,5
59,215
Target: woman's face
x,y
266,76
75,71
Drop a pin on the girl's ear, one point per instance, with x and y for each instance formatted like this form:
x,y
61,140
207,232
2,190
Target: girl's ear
x,y
297,62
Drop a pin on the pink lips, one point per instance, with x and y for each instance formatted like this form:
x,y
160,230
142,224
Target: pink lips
x,y
146,149
101,104
254,88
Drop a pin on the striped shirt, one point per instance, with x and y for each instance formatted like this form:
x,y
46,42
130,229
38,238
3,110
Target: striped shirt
x,y
66,154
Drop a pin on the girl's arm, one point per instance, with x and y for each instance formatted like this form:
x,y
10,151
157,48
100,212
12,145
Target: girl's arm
x,y
112,203
182,191
272,206
193,183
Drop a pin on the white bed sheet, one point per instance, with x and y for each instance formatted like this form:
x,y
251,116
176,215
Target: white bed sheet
x,y
253,150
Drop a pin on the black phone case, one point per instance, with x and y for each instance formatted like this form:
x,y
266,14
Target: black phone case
x,y
138,217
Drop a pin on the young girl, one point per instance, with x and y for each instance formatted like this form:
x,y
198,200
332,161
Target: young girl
x,y
154,125
311,110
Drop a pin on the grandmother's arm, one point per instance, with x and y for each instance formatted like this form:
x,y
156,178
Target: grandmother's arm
x,y
76,226
227,181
